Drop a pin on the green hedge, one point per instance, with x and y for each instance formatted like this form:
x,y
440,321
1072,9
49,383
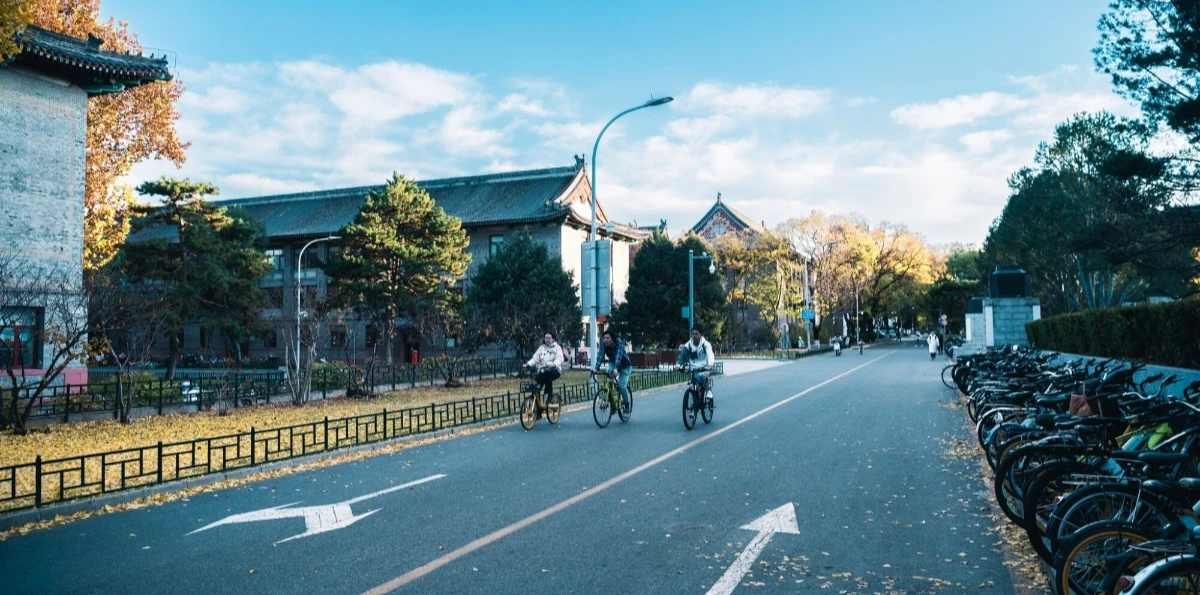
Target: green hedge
x,y
1167,334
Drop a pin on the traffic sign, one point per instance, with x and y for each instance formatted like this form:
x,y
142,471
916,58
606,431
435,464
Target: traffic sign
x,y
808,314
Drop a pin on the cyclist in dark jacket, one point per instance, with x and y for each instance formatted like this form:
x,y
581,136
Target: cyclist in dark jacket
x,y
612,350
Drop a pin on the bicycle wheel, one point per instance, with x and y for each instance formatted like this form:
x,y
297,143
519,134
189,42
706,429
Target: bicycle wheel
x,y
689,412
1082,564
553,408
706,410
1178,576
602,408
1050,485
626,409
1107,502
528,413
948,377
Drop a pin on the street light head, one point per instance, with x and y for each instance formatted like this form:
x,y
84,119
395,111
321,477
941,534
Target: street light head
x,y
659,101
712,268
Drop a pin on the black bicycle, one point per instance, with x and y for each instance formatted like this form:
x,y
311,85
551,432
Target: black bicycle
x,y
697,399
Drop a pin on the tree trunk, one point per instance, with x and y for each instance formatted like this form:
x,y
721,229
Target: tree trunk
x,y
172,357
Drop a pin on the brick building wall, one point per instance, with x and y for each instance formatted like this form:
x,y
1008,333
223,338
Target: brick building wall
x,y
43,124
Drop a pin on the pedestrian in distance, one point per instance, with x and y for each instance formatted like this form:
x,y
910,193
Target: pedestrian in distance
x,y
932,341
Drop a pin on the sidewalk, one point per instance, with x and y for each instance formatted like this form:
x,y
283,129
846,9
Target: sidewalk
x,y
733,367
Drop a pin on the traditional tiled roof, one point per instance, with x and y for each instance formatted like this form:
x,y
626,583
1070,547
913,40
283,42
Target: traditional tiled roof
x,y
550,195
737,217
84,63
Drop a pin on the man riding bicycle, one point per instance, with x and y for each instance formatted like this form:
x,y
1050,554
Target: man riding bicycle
x,y
699,354
620,366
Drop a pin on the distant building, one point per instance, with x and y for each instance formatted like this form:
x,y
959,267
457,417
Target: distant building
x,y
44,92
553,204
722,219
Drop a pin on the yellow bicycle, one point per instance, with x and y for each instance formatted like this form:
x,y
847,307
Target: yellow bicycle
x,y
607,398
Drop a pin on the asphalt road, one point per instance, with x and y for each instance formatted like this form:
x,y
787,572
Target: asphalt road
x,y
857,444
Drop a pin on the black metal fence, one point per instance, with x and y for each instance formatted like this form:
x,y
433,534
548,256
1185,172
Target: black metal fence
x,y
42,482
778,354
238,388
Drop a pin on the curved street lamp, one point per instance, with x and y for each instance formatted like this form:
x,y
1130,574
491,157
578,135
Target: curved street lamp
x,y
299,265
593,332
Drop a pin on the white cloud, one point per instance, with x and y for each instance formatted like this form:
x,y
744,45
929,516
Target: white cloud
x,y
252,184
757,100
517,102
982,141
939,166
462,131
387,91
216,99
956,111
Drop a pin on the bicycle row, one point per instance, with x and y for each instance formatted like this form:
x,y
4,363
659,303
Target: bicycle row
x,y
609,400
1099,469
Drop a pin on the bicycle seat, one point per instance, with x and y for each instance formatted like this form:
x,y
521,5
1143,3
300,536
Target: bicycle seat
x,y
1164,458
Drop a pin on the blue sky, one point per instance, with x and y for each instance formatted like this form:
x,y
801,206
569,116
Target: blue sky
x,y
911,112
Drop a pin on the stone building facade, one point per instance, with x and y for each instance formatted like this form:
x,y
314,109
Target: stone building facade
x,y
552,204
44,92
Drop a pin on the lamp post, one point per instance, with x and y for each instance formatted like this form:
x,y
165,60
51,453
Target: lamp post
x,y
299,264
593,332
857,312
712,268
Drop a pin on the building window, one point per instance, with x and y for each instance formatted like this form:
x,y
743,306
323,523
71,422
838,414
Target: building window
x,y
275,257
333,253
495,243
451,342
205,338
20,337
274,297
337,337
268,339
372,336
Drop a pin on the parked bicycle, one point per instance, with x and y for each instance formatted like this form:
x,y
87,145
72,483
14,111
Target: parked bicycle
x,y
697,398
607,399
533,408
1100,470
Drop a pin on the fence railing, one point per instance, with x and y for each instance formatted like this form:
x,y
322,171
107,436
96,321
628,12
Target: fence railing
x,y
237,387
780,354
42,482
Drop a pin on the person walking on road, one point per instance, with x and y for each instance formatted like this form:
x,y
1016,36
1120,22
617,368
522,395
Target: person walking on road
x,y
932,341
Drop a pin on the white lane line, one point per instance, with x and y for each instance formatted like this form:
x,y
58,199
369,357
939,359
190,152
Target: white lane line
x,y
488,539
317,519
780,520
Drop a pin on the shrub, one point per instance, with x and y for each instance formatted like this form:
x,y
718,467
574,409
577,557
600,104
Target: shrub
x,y
1166,334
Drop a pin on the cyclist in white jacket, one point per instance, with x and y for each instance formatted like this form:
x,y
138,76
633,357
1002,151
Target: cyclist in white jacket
x,y
547,363
699,353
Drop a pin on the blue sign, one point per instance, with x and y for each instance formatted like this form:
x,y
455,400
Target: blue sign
x,y
685,313
808,314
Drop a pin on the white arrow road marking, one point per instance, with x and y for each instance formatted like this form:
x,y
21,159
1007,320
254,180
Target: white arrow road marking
x,y
780,520
317,519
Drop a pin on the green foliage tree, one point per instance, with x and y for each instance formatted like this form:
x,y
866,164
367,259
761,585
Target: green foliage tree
x,y
522,293
658,289
204,261
1151,49
1087,221
398,250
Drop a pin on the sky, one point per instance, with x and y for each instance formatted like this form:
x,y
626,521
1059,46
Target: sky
x,y
913,113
